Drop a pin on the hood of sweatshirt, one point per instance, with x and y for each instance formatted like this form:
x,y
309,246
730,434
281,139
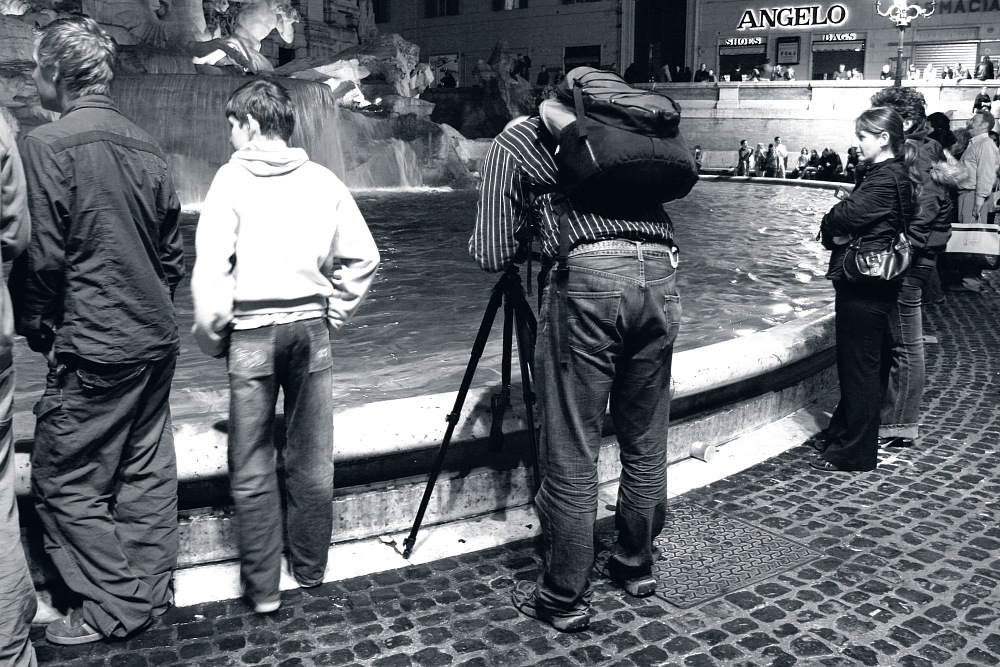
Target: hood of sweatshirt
x,y
269,162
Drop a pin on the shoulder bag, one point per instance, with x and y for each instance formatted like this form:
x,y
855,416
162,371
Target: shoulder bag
x,y
882,261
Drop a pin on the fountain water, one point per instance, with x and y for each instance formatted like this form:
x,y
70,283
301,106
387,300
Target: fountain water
x,y
184,113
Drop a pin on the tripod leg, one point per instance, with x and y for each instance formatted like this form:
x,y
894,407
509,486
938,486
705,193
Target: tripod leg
x,y
477,352
526,331
501,400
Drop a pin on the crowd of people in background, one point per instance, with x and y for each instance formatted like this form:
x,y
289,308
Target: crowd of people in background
x,y
828,165
774,162
767,71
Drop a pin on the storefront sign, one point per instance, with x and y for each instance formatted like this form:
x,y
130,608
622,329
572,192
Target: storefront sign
x,y
839,37
966,6
787,50
794,17
743,41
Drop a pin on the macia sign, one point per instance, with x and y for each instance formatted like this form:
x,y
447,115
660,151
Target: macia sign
x,y
791,17
966,6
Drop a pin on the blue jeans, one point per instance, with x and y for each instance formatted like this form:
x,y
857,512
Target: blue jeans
x,y
623,313
296,358
903,359
17,595
863,316
104,474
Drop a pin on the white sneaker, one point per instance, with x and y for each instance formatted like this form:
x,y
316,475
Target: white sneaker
x,y
267,607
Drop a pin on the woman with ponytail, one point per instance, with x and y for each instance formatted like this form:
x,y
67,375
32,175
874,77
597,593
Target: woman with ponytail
x,y
876,211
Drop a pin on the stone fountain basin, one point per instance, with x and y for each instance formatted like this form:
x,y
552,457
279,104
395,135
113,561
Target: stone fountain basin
x,y
384,449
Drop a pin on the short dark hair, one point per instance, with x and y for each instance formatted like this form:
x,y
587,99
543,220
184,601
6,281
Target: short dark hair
x,y
83,54
270,105
907,102
939,121
987,119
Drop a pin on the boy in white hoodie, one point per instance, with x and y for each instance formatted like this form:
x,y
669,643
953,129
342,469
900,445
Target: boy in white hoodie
x,y
283,258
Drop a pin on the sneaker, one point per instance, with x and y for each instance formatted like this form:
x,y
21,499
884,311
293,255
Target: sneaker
x,y
525,599
71,630
635,582
260,606
268,607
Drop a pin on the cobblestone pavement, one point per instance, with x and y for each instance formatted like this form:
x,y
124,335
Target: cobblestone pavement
x,y
908,572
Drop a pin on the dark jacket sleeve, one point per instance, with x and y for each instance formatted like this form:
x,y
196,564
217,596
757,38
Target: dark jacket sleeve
x,y
37,277
171,242
873,201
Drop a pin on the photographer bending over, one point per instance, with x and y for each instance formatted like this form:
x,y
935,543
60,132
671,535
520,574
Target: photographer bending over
x,y
622,315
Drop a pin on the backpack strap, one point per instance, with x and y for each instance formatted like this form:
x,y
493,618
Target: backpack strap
x,y
581,115
581,120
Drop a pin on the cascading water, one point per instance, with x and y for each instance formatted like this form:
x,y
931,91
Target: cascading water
x,y
185,114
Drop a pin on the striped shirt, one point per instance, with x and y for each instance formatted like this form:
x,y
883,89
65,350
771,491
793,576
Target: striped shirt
x,y
519,180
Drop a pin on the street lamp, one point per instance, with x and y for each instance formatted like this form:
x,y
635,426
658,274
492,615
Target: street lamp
x,y
901,14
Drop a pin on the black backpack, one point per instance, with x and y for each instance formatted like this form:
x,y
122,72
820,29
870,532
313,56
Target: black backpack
x,y
619,148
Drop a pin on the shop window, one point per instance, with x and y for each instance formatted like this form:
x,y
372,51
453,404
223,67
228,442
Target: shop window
x,y
746,57
442,8
827,58
501,5
381,10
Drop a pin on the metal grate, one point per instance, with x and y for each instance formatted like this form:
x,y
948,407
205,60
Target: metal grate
x,y
706,554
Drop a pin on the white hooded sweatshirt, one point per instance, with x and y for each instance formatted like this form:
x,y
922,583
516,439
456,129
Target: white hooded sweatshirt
x,y
277,235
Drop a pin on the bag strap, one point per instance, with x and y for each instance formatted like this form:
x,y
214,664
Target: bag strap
x,y
581,115
899,198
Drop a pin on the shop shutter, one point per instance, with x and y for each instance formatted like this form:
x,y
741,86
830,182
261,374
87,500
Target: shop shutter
x,y
942,55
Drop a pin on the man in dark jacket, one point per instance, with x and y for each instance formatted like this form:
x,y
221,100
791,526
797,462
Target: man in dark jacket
x,y
95,296
982,100
985,70
928,231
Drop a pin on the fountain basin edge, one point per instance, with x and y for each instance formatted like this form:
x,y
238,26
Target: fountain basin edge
x,y
383,450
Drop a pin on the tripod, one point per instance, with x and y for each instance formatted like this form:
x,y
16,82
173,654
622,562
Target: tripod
x,y
518,319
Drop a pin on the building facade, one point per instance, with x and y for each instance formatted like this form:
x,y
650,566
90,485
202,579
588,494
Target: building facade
x,y
454,35
815,37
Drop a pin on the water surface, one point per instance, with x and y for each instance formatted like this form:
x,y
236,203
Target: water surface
x,y
748,262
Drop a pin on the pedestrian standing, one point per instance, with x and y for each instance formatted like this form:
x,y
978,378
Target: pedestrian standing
x,y
95,296
743,157
982,100
17,596
982,160
781,156
876,211
284,257
928,232
623,313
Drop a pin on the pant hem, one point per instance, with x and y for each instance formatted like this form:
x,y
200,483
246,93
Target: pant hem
x,y
898,431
